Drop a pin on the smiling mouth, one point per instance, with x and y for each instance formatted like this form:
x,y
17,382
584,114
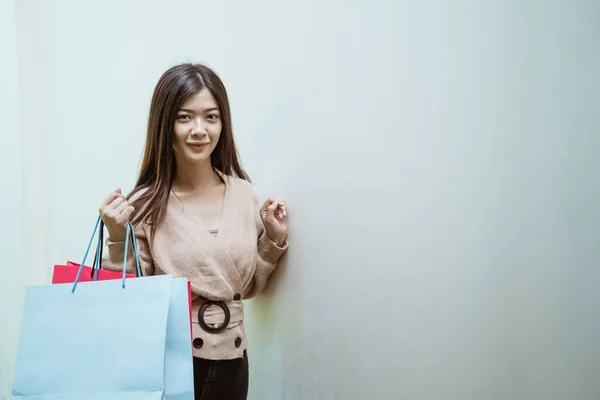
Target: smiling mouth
x,y
198,144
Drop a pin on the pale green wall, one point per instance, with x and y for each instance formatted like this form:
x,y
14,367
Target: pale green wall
x,y
12,271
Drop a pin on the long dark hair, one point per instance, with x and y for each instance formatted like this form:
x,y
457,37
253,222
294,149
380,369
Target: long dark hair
x,y
158,166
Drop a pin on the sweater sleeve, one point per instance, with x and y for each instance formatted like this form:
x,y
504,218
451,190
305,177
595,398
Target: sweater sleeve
x,y
268,255
114,258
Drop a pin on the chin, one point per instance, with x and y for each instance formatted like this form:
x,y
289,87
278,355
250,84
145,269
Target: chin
x,y
198,158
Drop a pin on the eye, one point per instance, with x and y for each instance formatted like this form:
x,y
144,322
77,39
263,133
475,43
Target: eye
x,y
183,118
213,117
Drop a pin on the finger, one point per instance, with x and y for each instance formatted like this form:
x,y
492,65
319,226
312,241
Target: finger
x,y
281,208
115,203
126,214
107,210
121,207
111,197
123,216
269,202
270,210
266,204
279,211
282,205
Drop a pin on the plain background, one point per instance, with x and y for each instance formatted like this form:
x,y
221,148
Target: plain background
x,y
439,161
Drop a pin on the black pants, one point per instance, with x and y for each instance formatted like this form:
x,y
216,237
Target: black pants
x,y
221,379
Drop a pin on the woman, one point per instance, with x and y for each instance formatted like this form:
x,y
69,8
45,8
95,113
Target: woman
x,y
196,215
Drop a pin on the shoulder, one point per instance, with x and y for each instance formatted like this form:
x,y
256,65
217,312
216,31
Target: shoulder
x,y
240,184
241,187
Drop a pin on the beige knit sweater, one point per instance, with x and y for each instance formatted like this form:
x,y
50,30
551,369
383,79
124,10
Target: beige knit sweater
x,y
236,264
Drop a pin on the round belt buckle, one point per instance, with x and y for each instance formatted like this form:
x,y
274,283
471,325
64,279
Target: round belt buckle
x,y
204,325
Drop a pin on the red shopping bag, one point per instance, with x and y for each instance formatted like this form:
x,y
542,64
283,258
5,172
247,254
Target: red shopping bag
x,y
67,274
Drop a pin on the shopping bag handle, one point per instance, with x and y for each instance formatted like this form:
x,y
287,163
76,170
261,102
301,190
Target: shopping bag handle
x,y
129,232
136,253
97,265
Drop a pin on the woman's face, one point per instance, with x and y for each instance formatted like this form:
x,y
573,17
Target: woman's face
x,y
197,128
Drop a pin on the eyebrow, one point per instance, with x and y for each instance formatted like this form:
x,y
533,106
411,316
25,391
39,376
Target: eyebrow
x,y
192,111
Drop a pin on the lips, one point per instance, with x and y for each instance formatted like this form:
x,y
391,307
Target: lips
x,y
198,145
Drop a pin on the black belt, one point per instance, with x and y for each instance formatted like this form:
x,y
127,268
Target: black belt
x,y
204,325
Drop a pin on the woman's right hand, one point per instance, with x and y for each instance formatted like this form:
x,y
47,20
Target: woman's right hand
x,y
115,213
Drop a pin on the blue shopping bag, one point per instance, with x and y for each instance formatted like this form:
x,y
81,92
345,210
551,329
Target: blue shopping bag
x,y
179,366
105,339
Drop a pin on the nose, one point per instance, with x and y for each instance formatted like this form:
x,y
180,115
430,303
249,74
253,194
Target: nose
x,y
198,127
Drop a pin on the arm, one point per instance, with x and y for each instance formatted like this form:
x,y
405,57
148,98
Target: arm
x,y
268,255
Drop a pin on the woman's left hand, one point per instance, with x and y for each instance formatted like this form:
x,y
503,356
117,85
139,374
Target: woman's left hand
x,y
274,216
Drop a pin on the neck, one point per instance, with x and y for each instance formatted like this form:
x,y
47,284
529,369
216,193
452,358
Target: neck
x,y
193,177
